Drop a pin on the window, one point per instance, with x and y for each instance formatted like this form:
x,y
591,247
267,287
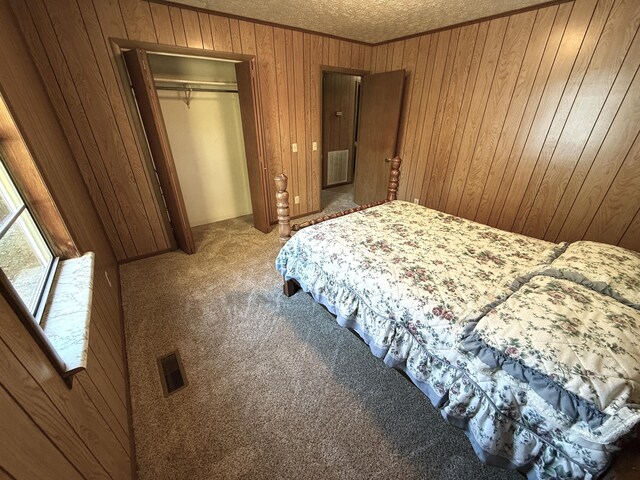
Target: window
x,y
25,256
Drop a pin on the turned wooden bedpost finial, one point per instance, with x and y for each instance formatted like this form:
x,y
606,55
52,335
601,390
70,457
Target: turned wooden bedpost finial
x,y
394,179
282,204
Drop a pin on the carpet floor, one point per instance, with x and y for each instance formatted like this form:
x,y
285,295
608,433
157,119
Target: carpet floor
x,y
276,388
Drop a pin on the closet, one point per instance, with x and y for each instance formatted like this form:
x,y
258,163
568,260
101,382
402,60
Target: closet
x,y
199,116
201,110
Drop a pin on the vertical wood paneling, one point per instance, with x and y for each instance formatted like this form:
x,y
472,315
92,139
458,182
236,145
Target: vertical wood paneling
x,y
191,29
431,96
56,431
25,436
221,31
530,126
300,140
67,28
533,103
476,116
205,30
565,115
539,40
316,121
453,102
510,61
587,111
162,23
178,26
138,19
562,87
269,103
123,118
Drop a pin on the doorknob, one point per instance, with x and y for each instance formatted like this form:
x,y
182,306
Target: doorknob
x,y
387,160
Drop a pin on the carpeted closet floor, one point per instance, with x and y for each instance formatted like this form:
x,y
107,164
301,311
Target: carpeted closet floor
x,y
277,390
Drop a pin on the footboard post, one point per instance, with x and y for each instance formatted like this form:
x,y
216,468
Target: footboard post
x,y
282,204
290,287
394,179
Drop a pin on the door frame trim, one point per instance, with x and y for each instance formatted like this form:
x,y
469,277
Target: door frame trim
x,y
118,46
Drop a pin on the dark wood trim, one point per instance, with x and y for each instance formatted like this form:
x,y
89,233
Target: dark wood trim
x,y
290,287
125,364
158,141
471,22
32,326
368,44
348,71
32,185
125,44
254,146
255,20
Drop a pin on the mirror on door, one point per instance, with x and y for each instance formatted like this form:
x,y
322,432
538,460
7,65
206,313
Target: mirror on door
x,y
340,108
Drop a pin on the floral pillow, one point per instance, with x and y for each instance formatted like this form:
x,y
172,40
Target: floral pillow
x,y
611,270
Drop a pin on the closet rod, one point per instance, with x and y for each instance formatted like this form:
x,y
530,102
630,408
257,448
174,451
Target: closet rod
x,y
186,89
194,82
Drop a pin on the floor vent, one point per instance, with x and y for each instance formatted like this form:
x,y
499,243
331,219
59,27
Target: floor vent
x,y
172,375
337,167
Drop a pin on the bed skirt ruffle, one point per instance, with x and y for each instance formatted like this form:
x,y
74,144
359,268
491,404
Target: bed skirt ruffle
x,y
470,399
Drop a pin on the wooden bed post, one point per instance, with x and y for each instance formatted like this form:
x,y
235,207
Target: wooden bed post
x,y
394,179
282,204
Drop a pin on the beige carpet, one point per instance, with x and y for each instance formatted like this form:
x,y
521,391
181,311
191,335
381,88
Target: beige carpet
x,y
276,388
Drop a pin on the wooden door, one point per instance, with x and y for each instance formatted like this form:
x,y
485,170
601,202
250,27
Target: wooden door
x,y
158,140
248,96
380,103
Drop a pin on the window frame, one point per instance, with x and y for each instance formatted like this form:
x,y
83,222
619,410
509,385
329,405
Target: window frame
x,y
46,280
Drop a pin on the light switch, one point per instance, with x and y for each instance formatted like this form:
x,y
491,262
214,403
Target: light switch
x,y
294,147
314,145
296,199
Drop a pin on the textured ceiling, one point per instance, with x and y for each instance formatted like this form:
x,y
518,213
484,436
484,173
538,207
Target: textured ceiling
x,y
365,20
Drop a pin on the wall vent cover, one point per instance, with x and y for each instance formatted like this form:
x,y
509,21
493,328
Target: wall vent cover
x,y
337,167
172,375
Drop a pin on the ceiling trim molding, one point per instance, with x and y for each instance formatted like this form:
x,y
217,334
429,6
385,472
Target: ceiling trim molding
x,y
369,44
508,13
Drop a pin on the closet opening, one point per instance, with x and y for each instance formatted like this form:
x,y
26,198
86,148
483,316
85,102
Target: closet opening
x,y
201,111
340,114
198,116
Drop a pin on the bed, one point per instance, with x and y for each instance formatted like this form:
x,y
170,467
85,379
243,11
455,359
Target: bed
x,y
532,348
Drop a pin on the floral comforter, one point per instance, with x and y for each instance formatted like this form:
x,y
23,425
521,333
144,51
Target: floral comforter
x,y
411,281
577,348
425,270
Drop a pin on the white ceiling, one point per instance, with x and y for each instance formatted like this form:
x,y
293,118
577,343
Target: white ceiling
x,y
369,21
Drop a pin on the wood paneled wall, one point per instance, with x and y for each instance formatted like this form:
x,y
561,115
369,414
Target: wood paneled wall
x,y
339,95
49,430
527,122
69,40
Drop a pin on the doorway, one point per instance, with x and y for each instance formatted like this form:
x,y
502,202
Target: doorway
x,y
201,110
209,103
340,113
